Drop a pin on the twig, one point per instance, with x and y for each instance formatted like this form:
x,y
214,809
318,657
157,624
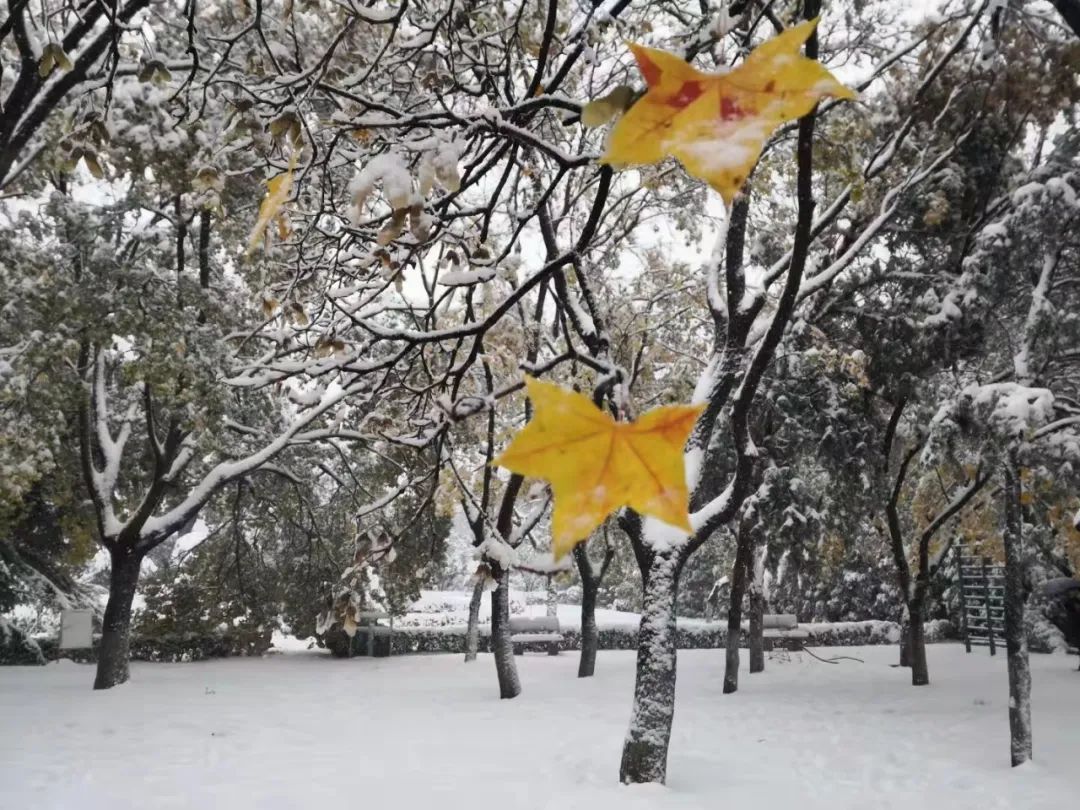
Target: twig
x,y
835,660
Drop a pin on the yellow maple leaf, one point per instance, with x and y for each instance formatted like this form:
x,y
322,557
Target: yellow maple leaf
x,y
278,190
716,123
596,464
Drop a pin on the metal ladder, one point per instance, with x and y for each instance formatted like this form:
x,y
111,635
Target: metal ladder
x,y
982,594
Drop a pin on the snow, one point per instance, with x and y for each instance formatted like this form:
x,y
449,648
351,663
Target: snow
x,y
302,730
462,278
392,171
1013,408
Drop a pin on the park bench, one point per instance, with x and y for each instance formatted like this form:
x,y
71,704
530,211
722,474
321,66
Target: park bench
x,y
781,631
374,639
539,631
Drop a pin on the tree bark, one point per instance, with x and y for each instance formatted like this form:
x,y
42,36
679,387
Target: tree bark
x,y
590,633
757,629
1015,637
590,589
501,646
738,589
644,757
916,646
112,666
905,635
472,635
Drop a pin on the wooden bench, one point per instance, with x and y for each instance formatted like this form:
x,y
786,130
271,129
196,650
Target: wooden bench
x,y
542,631
781,630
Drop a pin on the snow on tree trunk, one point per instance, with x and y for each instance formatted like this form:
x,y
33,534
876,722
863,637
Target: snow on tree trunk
x,y
551,599
112,666
1015,636
644,757
472,635
501,646
590,633
757,615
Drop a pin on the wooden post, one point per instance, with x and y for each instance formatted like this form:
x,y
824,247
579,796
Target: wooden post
x,y
963,596
989,615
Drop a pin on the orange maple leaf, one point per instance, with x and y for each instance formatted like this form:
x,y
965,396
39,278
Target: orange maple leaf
x,y
596,464
716,123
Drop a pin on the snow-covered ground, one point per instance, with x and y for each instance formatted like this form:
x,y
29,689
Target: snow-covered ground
x,y
305,731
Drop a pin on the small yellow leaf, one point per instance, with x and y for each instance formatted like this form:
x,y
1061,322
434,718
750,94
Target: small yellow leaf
x,y
46,63
277,192
283,227
53,56
601,110
92,165
596,464
716,123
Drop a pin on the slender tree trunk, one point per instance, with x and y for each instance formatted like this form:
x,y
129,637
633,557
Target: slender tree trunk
x,y
1015,637
905,636
112,666
501,646
738,589
590,634
644,757
551,599
472,635
916,646
757,629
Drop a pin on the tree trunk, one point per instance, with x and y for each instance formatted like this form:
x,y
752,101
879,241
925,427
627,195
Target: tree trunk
x,y
757,629
738,589
501,647
905,637
916,643
551,599
644,757
1015,637
590,634
112,666
472,635
757,611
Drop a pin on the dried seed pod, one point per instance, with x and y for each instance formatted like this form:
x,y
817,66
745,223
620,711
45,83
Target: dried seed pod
x,y
394,228
419,223
297,315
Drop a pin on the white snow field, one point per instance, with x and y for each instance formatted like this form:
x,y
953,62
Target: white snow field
x,y
305,731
